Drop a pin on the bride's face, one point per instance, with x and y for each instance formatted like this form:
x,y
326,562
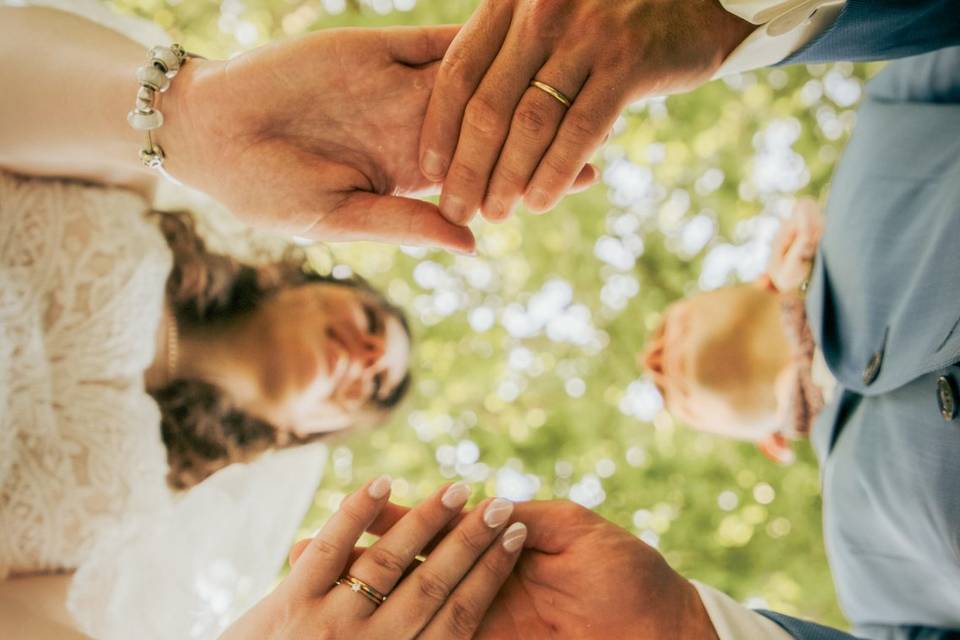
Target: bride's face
x,y
321,357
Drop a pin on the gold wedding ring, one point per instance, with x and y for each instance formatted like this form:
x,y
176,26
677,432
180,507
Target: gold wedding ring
x,y
359,586
543,86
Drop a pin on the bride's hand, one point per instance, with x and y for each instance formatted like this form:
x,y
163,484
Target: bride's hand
x,y
315,136
445,597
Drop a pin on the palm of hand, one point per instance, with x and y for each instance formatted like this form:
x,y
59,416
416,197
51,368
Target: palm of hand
x,y
318,136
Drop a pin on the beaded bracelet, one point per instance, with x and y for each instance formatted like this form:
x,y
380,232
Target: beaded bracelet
x,y
155,76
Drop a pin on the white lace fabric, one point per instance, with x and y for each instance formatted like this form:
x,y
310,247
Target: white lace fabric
x,y
82,275
82,464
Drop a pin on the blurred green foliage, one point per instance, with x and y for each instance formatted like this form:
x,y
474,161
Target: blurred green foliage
x,y
526,374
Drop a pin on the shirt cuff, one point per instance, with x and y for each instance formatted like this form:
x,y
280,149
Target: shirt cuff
x,y
783,28
733,621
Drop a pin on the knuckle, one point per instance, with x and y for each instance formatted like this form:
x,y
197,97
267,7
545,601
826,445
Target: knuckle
x,y
572,511
557,168
531,118
494,564
431,586
473,541
583,126
353,514
324,548
456,68
510,179
425,519
465,176
386,559
464,618
483,116
545,14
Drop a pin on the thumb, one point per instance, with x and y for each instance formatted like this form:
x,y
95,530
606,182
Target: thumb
x,y
416,46
552,525
587,177
368,216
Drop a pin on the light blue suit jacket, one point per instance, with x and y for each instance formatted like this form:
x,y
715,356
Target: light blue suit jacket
x,y
885,29
884,305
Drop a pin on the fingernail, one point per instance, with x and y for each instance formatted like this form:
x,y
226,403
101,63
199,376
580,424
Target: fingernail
x,y
514,536
497,512
494,209
379,487
456,495
454,209
538,199
465,252
433,165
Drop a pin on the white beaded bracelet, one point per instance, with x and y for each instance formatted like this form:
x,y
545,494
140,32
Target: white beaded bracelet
x,y
155,76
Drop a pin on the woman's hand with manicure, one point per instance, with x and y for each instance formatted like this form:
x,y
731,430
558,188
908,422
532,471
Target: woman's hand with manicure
x,y
470,557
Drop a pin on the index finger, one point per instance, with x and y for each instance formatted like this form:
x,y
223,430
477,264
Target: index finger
x,y
462,69
325,557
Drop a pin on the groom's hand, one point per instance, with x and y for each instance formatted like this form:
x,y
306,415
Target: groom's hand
x,y
315,136
583,577
493,139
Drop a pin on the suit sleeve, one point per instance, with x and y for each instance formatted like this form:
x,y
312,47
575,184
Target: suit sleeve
x,y
733,621
883,30
802,630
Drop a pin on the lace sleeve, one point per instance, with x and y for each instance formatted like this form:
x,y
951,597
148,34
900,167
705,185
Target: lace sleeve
x,y
189,570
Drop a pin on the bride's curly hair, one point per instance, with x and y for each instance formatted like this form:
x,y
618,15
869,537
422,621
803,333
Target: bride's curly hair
x,y
202,429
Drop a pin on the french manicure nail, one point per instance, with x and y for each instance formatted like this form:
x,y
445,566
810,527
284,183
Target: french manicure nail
x,y
454,209
433,165
456,495
380,487
497,512
514,536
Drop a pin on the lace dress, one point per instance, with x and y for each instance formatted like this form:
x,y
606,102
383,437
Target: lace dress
x,y
82,463
81,295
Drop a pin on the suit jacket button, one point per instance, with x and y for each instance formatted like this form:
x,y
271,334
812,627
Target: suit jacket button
x,y
872,370
947,397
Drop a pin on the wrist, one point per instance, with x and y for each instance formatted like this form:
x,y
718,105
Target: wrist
x,y
184,136
709,33
729,30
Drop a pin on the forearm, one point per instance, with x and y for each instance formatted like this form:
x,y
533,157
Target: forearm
x,y
34,607
68,84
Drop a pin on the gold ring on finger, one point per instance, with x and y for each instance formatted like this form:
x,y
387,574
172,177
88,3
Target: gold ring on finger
x,y
551,91
359,586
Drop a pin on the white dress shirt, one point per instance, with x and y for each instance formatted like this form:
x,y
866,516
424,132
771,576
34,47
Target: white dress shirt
x,y
783,27
733,621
